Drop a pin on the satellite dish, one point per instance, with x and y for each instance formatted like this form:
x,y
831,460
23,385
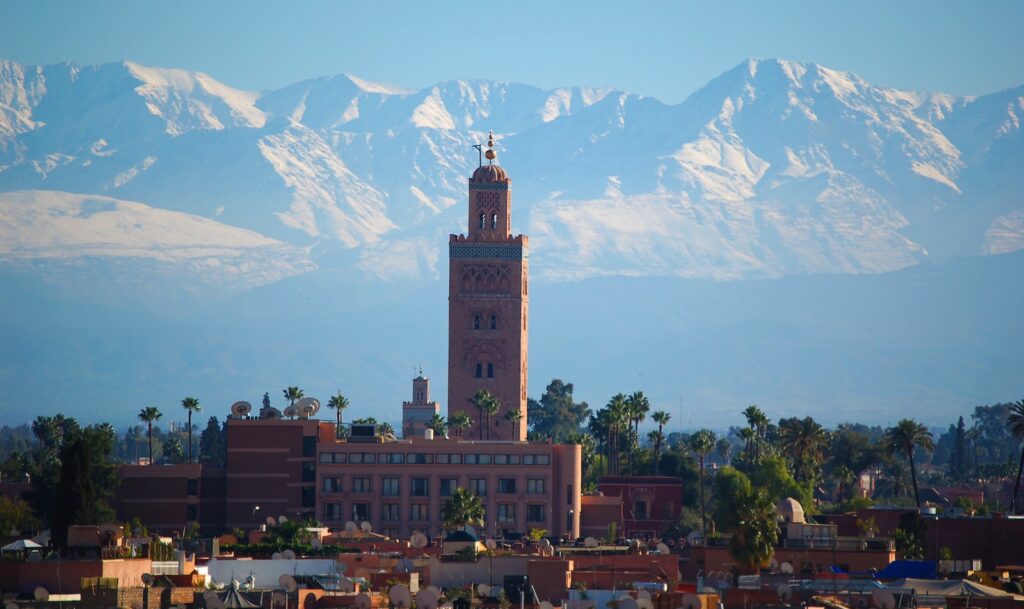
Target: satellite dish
x,y
271,521
241,409
691,601
643,593
365,527
483,589
590,542
275,556
663,549
351,527
147,578
425,599
307,407
291,411
786,567
288,583
785,592
340,566
363,601
399,596
282,519
418,540
435,590
546,605
109,529
628,603
346,585
644,602
497,591
883,599
491,544
288,555
42,594
773,565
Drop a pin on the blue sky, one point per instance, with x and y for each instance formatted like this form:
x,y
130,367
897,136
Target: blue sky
x,y
662,49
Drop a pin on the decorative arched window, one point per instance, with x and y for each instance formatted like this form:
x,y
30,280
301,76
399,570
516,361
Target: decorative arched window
x,y
483,221
479,370
494,221
490,371
494,322
476,322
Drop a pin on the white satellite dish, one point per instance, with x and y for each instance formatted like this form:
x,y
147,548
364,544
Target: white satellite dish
x,y
365,526
363,601
491,544
291,411
786,567
691,601
785,592
288,555
42,594
496,591
435,590
628,603
399,596
425,599
109,529
483,589
663,549
546,605
241,409
271,521
644,602
288,583
418,540
282,519
351,527
643,593
590,542
545,545
340,565
307,407
275,556
773,565
346,585
147,578
883,599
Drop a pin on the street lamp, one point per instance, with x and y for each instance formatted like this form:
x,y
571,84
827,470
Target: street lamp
x,y
254,510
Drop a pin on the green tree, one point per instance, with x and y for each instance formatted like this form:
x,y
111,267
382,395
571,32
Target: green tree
x,y
292,394
772,476
514,416
904,439
556,415
959,465
16,515
438,424
148,415
338,403
758,423
86,480
1015,422
637,407
804,442
173,451
459,421
191,405
212,444
724,449
661,418
385,429
756,532
701,443
488,406
461,509
843,477
731,489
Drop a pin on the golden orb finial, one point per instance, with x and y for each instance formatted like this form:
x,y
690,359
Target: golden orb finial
x,y
491,154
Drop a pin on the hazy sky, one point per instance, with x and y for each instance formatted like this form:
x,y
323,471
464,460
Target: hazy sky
x,y
662,49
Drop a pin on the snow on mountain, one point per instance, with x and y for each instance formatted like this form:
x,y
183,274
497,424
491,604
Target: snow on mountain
x,y
773,168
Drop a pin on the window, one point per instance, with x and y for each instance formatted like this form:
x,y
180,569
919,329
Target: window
x,y
535,513
536,459
568,520
479,370
360,485
308,496
308,471
478,486
393,458
455,459
191,512
332,511
490,371
332,485
193,486
506,486
419,512
476,322
477,459
535,487
507,513
448,486
494,220
362,458
568,494
483,221
356,458
360,512
494,322
501,459
308,446
420,487
667,510
389,512
326,458
640,510
513,459
421,458
389,487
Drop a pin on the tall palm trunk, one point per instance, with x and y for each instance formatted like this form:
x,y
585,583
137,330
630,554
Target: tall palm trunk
x,y
703,512
190,436
913,477
1016,485
150,426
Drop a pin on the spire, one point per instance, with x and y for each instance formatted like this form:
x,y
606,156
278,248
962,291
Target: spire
x,y
491,154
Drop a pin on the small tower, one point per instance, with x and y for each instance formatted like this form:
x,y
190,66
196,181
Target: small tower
x,y
416,415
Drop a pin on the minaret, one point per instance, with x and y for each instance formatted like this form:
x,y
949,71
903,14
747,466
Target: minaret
x,y
488,307
417,414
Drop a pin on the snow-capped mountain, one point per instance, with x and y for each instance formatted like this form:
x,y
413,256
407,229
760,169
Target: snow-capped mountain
x,y
773,168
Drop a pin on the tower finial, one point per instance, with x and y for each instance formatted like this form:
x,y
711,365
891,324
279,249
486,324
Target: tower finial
x,y
491,154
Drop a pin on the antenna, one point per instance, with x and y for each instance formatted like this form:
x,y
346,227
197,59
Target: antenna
x,y
491,544
282,519
590,542
351,527
546,605
307,407
483,589
480,152
785,592
644,602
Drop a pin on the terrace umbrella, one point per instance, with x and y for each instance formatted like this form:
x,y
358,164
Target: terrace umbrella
x,y
20,546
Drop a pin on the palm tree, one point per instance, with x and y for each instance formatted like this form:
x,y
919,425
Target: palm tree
x,y
438,424
459,421
618,416
657,438
758,424
147,415
753,540
462,508
661,418
701,443
637,406
1015,420
514,416
292,394
338,403
488,406
191,405
907,436
843,476
385,429
804,441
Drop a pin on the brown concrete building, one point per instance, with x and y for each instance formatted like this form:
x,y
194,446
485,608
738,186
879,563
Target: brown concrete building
x,y
488,306
168,497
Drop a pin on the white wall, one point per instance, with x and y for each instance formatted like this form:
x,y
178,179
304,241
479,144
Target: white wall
x,y
266,572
